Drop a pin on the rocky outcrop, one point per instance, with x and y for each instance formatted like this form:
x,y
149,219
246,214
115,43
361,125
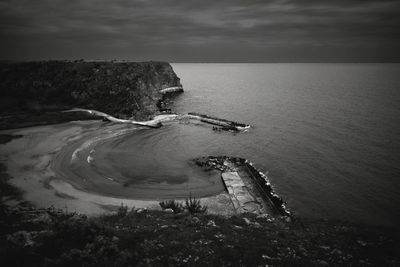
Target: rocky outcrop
x,y
122,89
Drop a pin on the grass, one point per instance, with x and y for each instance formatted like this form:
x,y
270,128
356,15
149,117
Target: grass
x,y
122,211
194,206
158,238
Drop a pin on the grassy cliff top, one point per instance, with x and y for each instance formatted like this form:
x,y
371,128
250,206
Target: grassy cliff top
x,y
31,237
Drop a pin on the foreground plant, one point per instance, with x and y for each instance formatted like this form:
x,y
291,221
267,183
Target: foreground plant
x,y
171,204
122,211
193,205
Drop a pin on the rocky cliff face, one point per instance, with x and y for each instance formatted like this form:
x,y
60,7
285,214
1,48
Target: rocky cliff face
x,y
123,89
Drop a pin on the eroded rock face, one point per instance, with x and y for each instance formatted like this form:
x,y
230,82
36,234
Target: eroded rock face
x,y
122,89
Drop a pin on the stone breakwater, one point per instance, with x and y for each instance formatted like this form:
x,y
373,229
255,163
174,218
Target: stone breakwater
x,y
248,188
156,122
226,125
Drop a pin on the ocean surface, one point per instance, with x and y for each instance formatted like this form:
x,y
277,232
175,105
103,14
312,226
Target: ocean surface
x,y
327,135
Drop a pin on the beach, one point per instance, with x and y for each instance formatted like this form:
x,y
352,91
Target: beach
x,y
39,166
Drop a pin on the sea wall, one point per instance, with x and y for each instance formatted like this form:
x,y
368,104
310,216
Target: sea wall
x,y
122,89
248,188
222,123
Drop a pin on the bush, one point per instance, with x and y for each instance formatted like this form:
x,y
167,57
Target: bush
x,y
171,204
122,211
193,205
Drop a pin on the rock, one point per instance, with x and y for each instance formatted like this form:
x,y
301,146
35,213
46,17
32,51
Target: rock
x,y
362,243
323,263
141,210
303,251
169,210
247,221
211,223
220,236
21,239
115,239
43,218
336,251
288,219
257,225
263,216
195,220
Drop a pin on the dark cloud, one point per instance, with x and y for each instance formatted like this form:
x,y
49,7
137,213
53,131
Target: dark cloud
x,y
224,30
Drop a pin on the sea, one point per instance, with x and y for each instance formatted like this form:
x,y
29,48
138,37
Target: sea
x,y
326,135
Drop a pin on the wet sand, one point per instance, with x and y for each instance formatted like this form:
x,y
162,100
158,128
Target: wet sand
x,y
58,165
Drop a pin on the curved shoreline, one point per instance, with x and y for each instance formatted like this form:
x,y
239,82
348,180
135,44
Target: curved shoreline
x,y
77,164
70,169
29,162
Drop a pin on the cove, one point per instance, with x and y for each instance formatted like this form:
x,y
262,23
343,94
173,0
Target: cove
x,y
140,163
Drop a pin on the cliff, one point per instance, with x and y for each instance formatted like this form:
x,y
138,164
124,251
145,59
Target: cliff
x,y
122,89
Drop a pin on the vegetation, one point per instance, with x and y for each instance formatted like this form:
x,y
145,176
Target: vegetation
x,y
194,206
122,211
7,191
51,237
172,204
122,89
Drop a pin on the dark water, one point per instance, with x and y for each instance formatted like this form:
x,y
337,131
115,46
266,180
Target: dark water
x,y
326,134
155,163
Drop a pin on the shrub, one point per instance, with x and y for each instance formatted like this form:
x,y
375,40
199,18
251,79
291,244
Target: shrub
x,y
122,211
193,205
171,204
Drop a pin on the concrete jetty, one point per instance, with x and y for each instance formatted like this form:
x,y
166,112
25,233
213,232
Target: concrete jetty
x,y
242,199
248,189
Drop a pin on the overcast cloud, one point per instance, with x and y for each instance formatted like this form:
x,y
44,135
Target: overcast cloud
x,y
201,31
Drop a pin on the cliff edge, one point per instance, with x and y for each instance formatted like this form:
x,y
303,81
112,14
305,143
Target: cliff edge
x,y
123,89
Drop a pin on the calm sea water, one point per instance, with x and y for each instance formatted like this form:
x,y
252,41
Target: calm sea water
x,y
328,135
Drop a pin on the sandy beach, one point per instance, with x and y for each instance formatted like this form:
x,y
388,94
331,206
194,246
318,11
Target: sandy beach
x,y
53,166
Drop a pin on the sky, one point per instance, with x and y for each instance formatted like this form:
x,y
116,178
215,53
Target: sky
x,y
201,31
